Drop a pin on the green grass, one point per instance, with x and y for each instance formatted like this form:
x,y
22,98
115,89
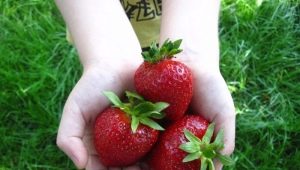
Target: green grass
x,y
260,50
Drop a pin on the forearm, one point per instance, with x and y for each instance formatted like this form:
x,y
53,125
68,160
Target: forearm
x,y
100,30
196,22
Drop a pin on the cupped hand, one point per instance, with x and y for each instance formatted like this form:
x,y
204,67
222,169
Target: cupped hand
x,y
212,99
86,100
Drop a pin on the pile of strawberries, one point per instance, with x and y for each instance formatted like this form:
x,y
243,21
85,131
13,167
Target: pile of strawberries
x,y
130,132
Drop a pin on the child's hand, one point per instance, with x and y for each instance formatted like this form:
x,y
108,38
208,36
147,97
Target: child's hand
x,y
201,53
212,99
75,136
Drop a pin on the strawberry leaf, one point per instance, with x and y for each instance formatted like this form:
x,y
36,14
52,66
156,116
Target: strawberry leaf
x,y
157,116
225,160
146,55
208,152
144,107
218,142
191,137
154,114
134,123
163,51
174,51
132,95
166,51
160,106
189,147
151,123
208,134
210,164
114,99
203,163
177,43
191,157
139,110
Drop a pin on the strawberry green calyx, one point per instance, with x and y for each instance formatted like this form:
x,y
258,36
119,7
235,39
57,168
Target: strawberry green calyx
x,y
139,110
204,150
166,51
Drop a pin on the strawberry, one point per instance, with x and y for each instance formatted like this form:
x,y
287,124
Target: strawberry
x,y
181,148
159,78
125,132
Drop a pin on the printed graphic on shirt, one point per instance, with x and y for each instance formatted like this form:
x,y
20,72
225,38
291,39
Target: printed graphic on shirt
x,y
142,10
144,16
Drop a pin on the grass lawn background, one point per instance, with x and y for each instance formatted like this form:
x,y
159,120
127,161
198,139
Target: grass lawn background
x,y
260,60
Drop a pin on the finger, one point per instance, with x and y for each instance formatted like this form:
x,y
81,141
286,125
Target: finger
x,y
134,167
114,168
70,133
144,166
94,163
227,122
218,165
88,140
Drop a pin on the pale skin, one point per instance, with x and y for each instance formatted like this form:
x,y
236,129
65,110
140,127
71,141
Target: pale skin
x,y
110,53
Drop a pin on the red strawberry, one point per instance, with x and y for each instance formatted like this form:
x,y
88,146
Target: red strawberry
x,y
160,78
180,147
118,137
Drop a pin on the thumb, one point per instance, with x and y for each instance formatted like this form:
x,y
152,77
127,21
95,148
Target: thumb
x,y
70,134
228,124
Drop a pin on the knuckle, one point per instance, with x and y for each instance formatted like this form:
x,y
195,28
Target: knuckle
x,y
229,148
60,142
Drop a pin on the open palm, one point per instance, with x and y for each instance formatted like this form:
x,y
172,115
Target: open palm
x,y
84,103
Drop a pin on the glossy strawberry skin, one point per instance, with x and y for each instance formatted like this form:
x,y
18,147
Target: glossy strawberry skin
x,y
169,81
115,142
166,155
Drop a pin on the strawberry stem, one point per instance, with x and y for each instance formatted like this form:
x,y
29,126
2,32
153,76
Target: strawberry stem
x,y
166,51
139,110
204,149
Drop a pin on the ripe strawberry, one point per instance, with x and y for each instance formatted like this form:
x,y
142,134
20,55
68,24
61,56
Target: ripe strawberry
x,y
119,139
160,78
180,147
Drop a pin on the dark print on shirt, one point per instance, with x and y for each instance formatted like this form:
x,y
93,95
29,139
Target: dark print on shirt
x,y
142,10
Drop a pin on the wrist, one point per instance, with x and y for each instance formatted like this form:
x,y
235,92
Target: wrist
x,y
110,65
113,62
112,70
200,63
108,76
